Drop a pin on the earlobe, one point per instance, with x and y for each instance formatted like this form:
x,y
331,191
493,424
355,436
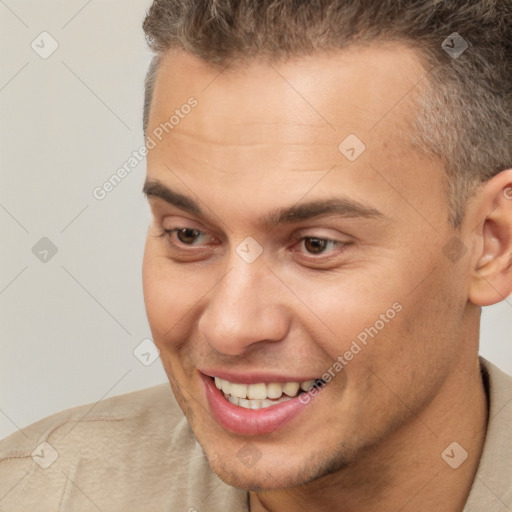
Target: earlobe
x,y
491,281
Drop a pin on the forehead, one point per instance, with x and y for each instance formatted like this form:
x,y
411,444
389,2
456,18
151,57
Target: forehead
x,y
355,88
260,124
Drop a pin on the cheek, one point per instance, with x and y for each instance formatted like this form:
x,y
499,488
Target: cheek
x,y
413,354
347,309
166,298
173,295
374,324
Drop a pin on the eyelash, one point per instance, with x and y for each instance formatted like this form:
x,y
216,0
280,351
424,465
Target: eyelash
x,y
169,232
335,244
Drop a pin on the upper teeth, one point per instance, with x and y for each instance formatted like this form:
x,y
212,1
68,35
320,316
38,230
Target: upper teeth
x,y
261,390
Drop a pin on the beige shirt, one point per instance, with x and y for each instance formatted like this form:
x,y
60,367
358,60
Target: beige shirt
x,y
136,452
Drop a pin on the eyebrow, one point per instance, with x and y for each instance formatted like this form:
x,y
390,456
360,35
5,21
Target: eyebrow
x,y
154,188
339,206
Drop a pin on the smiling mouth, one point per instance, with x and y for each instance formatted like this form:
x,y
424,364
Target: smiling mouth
x,y
263,395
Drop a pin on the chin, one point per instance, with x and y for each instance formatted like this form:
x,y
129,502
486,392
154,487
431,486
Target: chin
x,y
272,474
258,479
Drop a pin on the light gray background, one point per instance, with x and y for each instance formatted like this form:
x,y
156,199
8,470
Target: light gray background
x,y
69,326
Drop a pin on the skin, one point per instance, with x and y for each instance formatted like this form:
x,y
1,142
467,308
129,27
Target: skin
x,y
265,136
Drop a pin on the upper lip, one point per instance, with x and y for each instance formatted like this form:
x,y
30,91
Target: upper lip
x,y
253,377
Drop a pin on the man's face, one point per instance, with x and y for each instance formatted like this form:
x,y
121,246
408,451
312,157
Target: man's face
x,y
344,258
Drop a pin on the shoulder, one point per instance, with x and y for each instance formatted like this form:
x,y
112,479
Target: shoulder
x,y
134,450
492,487
120,415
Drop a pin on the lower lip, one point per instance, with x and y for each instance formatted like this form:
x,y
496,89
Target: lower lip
x,y
252,422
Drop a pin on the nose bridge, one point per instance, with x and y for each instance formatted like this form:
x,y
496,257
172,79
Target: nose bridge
x,y
243,309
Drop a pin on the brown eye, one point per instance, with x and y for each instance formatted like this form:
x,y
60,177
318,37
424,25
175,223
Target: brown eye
x,y
188,235
315,245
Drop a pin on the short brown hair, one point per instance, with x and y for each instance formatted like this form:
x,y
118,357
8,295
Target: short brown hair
x,y
465,114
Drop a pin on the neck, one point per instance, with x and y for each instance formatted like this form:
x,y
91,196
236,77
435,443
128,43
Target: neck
x,y
406,472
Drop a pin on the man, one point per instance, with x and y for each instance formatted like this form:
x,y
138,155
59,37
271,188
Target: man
x,y
331,191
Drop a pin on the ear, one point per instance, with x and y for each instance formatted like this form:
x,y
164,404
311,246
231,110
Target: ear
x,y
491,280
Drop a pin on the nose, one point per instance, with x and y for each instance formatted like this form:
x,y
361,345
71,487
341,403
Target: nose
x,y
245,308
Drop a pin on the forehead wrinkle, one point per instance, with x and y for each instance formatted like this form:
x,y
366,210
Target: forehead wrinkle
x,y
185,140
